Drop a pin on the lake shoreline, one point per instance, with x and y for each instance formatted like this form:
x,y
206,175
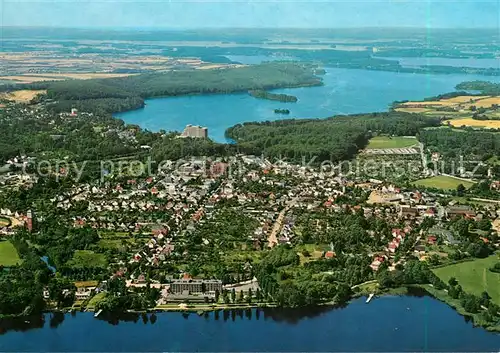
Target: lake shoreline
x,y
388,323
340,93
201,309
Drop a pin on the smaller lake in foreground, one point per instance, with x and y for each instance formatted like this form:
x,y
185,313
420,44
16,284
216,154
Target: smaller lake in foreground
x,y
387,324
345,91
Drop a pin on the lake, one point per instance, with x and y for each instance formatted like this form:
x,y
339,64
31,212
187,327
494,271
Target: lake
x,y
482,63
386,324
345,91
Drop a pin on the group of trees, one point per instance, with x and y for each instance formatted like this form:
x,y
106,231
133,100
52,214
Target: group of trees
x,y
495,268
282,111
472,303
484,87
413,272
336,138
44,133
472,145
471,244
22,286
345,231
290,285
119,298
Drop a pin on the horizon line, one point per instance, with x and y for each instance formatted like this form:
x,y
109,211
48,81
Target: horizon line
x,y
243,28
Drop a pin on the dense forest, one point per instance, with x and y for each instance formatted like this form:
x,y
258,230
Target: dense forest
x,y
335,138
125,93
452,143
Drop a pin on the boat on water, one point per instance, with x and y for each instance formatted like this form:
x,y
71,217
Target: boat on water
x,y
370,297
98,313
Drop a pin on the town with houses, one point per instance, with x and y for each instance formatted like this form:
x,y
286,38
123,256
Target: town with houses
x,y
160,212
223,231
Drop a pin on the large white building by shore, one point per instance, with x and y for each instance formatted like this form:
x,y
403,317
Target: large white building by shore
x,y
195,131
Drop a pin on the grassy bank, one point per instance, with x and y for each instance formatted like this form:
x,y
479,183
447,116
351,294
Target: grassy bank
x,y
443,296
474,276
8,254
391,142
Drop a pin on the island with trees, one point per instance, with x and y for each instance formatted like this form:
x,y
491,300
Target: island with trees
x,y
261,94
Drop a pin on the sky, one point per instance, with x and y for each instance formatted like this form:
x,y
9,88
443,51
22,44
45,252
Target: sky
x,y
181,14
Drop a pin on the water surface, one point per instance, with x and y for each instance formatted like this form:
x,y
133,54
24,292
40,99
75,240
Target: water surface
x,y
345,91
478,63
400,324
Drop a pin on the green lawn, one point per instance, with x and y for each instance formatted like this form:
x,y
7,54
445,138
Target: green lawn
x,y
113,235
87,258
95,299
474,276
391,142
443,182
8,254
117,244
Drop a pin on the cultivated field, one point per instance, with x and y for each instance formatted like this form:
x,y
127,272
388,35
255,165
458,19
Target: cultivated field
x,y
22,96
413,110
380,142
443,182
474,276
8,254
457,110
487,102
490,124
29,67
27,79
459,103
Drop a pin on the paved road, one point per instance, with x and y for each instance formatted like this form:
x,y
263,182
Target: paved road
x,y
273,236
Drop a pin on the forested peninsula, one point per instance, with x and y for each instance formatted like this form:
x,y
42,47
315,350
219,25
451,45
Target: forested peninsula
x,y
110,95
484,87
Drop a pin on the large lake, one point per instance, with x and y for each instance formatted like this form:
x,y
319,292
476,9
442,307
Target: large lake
x,y
345,91
481,63
392,324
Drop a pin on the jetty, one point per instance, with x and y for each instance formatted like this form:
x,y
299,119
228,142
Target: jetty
x,y
370,297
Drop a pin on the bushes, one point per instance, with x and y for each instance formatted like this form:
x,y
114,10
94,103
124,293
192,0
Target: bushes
x,y
495,268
